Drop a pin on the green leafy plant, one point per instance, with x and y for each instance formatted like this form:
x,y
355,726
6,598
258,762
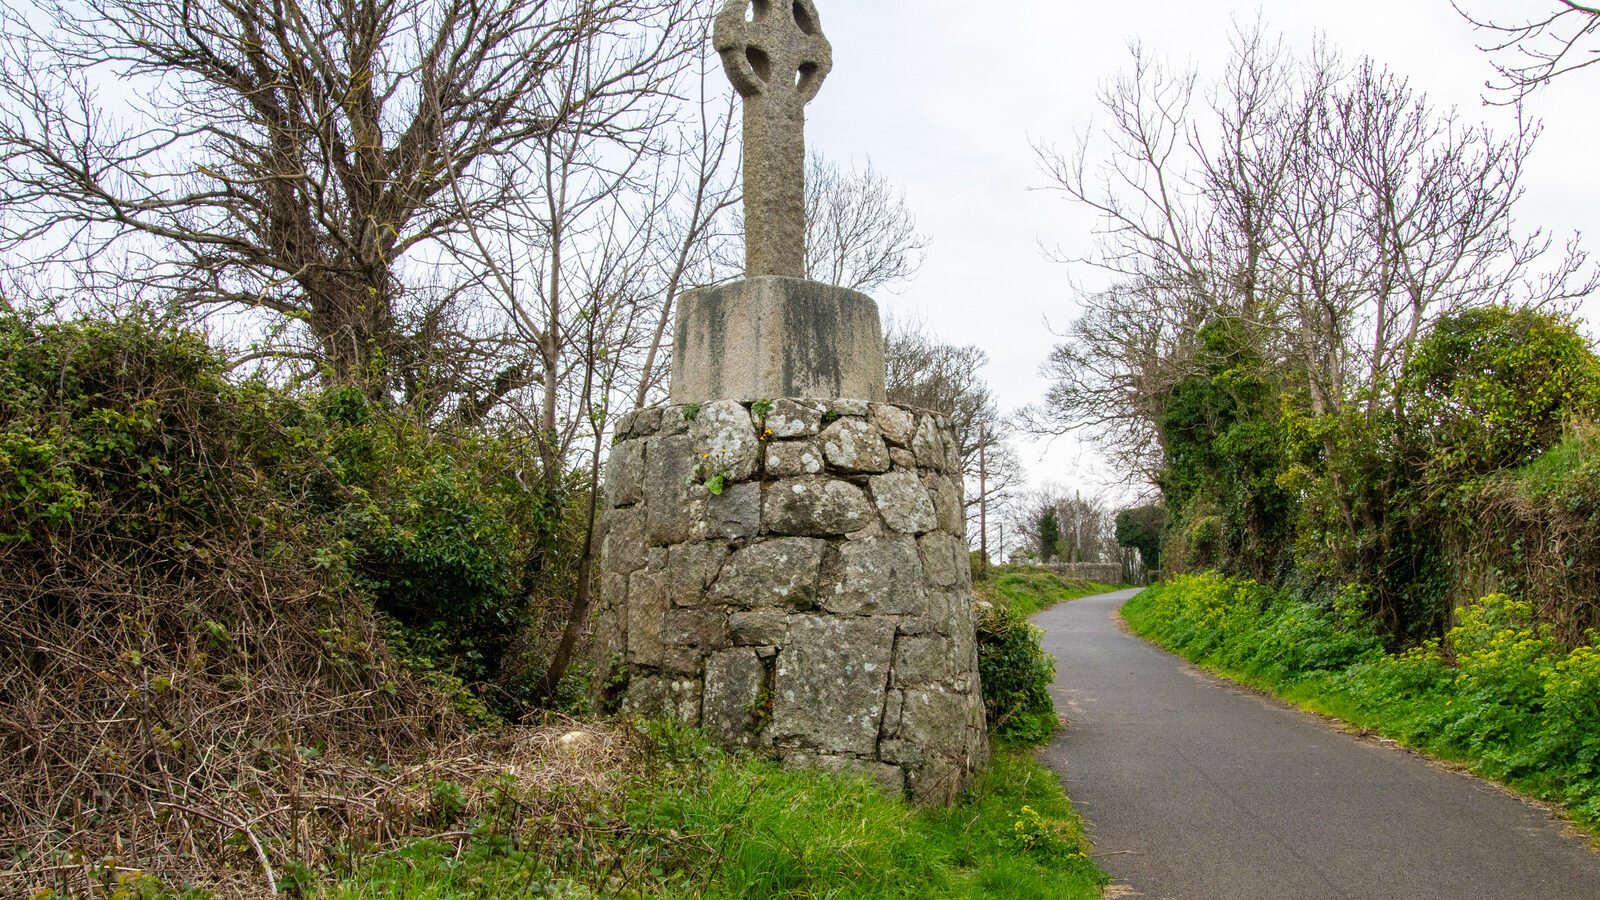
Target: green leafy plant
x,y
1043,836
1494,388
1016,674
716,471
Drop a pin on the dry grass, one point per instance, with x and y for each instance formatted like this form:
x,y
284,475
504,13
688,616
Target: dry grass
x,y
214,718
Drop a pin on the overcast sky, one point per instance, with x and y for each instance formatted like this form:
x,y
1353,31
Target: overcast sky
x,y
945,96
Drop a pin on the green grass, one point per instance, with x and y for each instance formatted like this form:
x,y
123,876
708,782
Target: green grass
x,y
698,823
1030,590
1497,694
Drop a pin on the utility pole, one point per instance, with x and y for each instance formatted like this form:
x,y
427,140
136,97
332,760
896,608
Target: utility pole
x,y
983,500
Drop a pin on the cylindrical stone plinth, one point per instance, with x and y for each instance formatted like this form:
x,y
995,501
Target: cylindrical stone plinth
x,y
777,337
793,577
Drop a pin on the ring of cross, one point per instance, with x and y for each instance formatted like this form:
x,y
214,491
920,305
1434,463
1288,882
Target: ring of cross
x,y
773,47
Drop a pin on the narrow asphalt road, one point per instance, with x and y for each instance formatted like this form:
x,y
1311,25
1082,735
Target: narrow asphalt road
x,y
1196,789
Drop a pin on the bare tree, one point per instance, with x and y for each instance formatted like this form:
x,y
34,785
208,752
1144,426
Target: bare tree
x,y
1328,209
585,267
697,235
1530,53
859,232
306,160
1085,526
927,373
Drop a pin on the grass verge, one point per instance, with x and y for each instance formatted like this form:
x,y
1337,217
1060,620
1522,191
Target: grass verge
x,y
694,822
1030,590
1497,694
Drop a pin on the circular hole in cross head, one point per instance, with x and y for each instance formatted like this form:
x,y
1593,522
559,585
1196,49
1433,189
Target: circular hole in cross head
x,y
757,10
760,62
803,77
803,18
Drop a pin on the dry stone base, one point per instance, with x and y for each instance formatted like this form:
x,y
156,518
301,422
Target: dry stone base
x,y
793,577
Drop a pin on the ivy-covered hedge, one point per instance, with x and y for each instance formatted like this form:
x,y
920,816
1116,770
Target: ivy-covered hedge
x,y
1401,488
133,432
1016,674
1016,670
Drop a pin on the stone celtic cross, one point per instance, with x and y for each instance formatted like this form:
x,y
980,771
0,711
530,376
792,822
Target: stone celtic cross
x,y
777,57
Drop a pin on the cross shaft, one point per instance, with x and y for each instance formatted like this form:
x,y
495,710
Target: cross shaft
x,y
777,58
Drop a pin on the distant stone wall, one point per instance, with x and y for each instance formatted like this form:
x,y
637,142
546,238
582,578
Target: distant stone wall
x,y
793,577
1104,573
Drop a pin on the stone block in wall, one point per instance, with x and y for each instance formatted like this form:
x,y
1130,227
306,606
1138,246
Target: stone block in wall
x,y
933,742
675,420
782,572
670,469
897,424
928,445
952,452
952,513
891,778
942,559
793,419
789,459
875,576
852,446
622,547
692,568
921,659
828,690
735,513
759,627
736,696
688,635
644,423
904,503
676,697
647,603
842,407
625,474
815,506
725,436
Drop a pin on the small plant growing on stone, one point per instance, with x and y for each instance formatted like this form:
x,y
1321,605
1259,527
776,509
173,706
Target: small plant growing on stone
x,y
830,417
761,409
691,412
715,471
761,708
